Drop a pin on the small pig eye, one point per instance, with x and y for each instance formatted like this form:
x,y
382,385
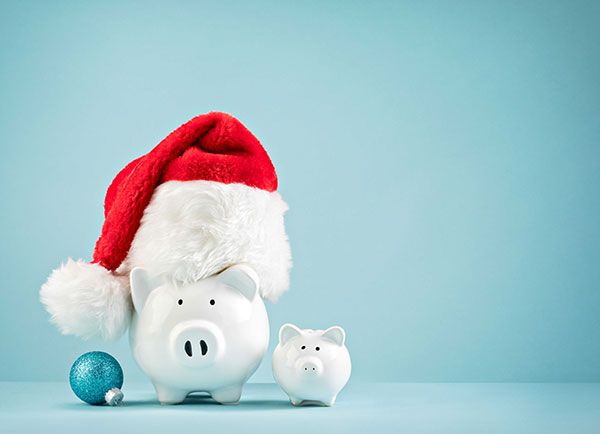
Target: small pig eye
x,y
180,302
212,302
303,347
317,348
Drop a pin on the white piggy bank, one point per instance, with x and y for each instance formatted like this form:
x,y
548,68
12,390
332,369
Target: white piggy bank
x,y
311,366
208,336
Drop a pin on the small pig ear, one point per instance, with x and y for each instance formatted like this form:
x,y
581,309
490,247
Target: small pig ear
x,y
336,334
241,277
142,285
287,332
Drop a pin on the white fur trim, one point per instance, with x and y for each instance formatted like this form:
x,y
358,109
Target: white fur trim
x,y
195,229
87,300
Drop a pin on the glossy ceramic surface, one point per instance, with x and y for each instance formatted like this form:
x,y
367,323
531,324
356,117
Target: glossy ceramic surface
x,y
209,336
311,366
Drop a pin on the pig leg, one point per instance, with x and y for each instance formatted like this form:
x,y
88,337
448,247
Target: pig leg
x,y
329,403
228,395
169,396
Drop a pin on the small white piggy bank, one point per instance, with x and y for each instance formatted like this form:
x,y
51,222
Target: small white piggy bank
x,y
311,366
208,336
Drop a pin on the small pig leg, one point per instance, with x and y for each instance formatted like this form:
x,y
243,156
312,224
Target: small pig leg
x,y
228,395
168,396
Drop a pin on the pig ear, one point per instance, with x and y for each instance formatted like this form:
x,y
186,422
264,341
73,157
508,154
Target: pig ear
x,y
142,284
287,332
336,334
241,277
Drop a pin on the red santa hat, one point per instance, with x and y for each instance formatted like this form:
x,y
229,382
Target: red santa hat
x,y
204,199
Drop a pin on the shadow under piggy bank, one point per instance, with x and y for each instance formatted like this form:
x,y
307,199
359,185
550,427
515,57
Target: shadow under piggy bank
x,y
202,399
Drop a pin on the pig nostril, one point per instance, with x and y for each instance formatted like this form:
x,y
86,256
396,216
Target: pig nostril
x,y
188,348
203,347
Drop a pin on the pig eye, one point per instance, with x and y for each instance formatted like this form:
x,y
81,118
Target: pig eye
x,y
180,301
303,347
212,302
317,348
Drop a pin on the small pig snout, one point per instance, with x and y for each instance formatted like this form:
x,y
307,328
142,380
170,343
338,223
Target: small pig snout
x,y
311,366
197,343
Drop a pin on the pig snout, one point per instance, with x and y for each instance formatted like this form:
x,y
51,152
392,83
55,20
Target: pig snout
x,y
190,352
197,343
309,366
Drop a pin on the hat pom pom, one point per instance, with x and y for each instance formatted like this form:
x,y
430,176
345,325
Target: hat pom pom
x,y
87,300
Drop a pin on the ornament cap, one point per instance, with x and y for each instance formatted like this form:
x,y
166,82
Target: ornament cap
x,y
114,397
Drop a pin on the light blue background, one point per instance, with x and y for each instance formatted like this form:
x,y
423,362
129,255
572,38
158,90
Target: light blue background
x,y
441,161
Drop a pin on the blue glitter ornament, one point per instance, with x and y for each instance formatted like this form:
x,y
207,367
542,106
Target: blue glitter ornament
x,y
96,378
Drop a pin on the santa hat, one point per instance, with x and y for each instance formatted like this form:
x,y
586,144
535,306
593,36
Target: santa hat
x,y
202,200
